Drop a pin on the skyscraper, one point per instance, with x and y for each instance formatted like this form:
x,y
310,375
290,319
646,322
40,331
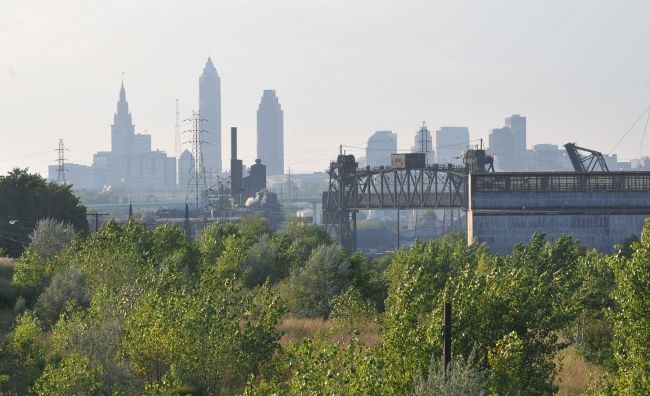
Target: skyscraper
x,y
451,143
122,130
423,144
517,124
270,133
210,110
380,146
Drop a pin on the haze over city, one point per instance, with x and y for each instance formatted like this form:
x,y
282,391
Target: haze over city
x,y
579,71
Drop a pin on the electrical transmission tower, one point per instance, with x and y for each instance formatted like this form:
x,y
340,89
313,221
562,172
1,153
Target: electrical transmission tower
x,y
60,177
177,133
196,185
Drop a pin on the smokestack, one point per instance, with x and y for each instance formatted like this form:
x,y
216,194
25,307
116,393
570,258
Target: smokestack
x,y
236,169
233,143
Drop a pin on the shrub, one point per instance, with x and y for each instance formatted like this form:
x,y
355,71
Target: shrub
x,y
49,237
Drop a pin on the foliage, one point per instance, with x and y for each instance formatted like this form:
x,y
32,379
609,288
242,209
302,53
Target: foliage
x,y
263,263
67,290
318,367
27,198
350,312
74,375
325,275
252,228
462,378
24,354
592,330
632,318
49,237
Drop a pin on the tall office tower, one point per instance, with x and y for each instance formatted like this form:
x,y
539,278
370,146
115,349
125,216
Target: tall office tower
x,y
270,133
451,144
501,146
185,169
423,144
210,111
517,124
122,130
380,146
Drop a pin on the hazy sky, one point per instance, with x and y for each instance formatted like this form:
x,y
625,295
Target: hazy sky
x,y
579,70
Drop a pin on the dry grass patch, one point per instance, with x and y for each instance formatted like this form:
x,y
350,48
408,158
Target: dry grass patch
x,y
576,374
295,329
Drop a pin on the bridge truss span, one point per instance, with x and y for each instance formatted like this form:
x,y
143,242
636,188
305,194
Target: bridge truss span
x,y
352,189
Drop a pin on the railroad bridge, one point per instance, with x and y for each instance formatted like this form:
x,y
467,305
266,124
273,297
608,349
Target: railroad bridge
x,y
600,209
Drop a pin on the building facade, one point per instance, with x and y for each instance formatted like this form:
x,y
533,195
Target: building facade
x,y
451,144
380,146
270,133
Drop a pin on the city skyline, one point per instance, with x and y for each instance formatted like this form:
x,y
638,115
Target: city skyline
x,y
575,70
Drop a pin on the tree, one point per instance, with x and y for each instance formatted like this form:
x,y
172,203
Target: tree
x,y
74,375
252,228
632,318
49,237
25,352
263,262
325,275
66,290
27,198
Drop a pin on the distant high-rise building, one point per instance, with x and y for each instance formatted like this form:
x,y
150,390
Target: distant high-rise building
x,y
517,124
423,144
451,144
501,142
270,133
122,130
185,167
210,111
380,146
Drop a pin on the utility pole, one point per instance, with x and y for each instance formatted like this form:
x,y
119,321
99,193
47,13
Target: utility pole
x,y
186,224
60,177
97,218
130,211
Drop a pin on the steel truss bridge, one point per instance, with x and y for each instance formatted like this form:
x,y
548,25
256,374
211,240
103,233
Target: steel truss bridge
x,y
351,189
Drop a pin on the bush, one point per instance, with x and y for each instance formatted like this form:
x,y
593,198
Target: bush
x,y
463,378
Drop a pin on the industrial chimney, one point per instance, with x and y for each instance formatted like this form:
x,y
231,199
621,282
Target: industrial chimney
x,y
236,184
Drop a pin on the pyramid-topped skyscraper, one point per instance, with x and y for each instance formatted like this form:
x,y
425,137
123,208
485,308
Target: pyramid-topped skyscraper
x,y
210,110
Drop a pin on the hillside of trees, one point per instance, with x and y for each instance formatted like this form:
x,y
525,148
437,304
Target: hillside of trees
x,y
127,311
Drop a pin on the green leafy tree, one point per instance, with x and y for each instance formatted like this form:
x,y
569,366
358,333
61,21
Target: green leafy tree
x,y
27,198
325,275
49,237
631,342
66,291
263,262
25,354
74,375
350,312
252,228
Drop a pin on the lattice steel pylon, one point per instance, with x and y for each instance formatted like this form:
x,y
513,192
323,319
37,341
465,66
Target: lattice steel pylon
x,y
196,185
177,133
60,177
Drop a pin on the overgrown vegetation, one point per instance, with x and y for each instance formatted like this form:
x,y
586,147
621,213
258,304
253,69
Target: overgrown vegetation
x,y
131,311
